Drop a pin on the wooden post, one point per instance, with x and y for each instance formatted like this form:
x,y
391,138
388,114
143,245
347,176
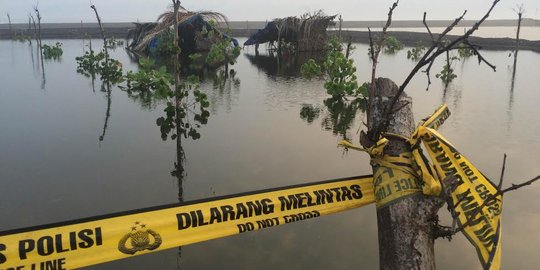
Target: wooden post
x,y
405,226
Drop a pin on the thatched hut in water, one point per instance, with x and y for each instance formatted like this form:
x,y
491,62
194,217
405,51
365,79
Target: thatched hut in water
x,y
195,31
307,33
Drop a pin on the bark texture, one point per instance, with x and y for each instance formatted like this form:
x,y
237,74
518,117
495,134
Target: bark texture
x,y
405,226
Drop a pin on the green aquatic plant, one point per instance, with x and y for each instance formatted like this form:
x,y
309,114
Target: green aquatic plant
x,y
337,69
91,64
186,111
149,79
222,52
447,74
88,64
113,43
392,45
52,51
347,96
417,52
464,51
21,37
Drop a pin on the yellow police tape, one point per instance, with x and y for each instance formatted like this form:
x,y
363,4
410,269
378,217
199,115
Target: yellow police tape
x,y
86,242
79,243
476,200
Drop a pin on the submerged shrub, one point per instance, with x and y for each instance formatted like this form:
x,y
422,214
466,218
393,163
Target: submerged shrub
x,y
417,52
447,74
149,79
464,51
113,43
90,64
52,51
392,45
339,71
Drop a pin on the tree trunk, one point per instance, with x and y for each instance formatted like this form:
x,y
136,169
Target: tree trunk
x,y
516,51
10,28
406,225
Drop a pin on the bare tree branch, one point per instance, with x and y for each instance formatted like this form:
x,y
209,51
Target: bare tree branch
x,y
479,55
488,200
502,173
427,71
427,27
375,50
380,43
518,186
430,55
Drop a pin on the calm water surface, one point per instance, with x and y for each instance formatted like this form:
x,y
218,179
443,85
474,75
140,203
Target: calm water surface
x,y
69,150
526,32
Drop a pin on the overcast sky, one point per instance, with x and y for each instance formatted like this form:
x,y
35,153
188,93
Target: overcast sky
x,y
241,10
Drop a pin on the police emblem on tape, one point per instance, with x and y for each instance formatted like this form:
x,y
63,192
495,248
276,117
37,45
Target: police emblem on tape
x,y
140,238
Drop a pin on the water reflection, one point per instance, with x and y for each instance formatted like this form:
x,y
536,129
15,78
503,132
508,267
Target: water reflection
x,y
179,172
226,86
32,56
513,81
107,88
43,79
284,65
511,92
136,165
338,115
451,95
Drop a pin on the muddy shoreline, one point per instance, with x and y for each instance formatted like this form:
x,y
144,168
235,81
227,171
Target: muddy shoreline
x,y
407,38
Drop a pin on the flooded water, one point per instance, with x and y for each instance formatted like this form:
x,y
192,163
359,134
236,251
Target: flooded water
x,y
526,32
69,150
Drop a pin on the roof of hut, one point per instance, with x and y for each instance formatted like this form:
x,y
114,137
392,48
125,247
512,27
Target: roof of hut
x,y
292,29
166,20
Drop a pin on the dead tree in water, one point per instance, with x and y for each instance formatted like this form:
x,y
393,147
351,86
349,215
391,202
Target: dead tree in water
x,y
38,17
102,31
39,45
407,227
35,28
10,28
519,11
29,30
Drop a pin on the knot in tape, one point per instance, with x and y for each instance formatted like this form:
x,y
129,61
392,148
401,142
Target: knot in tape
x,y
413,163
